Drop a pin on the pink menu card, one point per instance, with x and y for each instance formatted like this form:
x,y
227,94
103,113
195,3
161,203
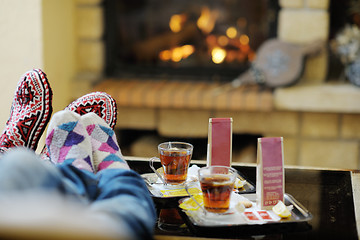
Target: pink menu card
x,y
220,142
270,179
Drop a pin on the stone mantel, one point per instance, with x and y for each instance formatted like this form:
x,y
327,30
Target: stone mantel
x,y
329,97
323,98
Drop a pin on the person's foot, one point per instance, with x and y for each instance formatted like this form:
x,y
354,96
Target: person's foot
x,y
68,141
30,112
100,103
105,149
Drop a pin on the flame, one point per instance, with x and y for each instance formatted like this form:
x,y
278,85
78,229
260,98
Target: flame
x,y
207,19
176,22
218,55
187,50
244,39
245,48
230,47
211,41
165,55
231,32
223,40
231,56
176,54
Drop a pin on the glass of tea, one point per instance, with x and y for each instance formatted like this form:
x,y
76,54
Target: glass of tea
x,y
217,184
175,160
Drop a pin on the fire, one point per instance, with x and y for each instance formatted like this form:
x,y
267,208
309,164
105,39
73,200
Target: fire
x,y
228,46
165,55
207,19
176,54
187,50
218,55
244,39
231,32
176,22
223,40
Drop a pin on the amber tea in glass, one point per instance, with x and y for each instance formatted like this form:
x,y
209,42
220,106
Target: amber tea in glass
x,y
175,163
175,160
217,183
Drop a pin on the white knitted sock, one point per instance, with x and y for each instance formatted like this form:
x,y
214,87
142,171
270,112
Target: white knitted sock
x,y
68,141
106,151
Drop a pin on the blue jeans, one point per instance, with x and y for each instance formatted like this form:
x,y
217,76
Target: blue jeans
x,y
118,193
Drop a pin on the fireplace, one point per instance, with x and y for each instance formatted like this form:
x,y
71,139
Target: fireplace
x,y
188,39
311,126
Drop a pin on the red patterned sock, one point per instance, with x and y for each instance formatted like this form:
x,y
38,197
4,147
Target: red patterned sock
x,y
100,103
30,112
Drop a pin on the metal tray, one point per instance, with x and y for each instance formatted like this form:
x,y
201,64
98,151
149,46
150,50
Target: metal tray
x,y
297,222
156,188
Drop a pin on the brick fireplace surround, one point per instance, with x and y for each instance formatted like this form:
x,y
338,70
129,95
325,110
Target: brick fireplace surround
x,y
319,118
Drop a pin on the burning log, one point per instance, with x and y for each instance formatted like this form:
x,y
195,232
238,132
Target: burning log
x,y
149,49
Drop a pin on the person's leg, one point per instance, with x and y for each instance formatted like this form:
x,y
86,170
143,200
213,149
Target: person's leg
x,y
30,112
115,191
123,194
55,197
71,152
22,170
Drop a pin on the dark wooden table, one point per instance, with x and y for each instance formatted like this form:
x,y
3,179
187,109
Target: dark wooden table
x,y
327,194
